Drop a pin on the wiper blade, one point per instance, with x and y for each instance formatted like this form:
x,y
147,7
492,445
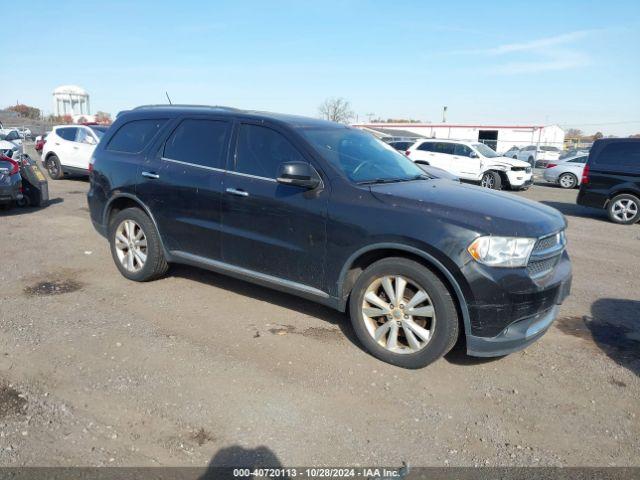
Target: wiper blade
x,y
394,180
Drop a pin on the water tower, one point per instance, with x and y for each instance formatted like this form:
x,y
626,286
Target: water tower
x,y
71,100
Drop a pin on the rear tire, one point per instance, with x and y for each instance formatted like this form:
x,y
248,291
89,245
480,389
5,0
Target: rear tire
x,y
491,180
409,317
624,209
568,181
136,247
54,169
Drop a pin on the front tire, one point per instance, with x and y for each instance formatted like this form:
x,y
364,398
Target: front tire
x,y
624,209
403,313
568,180
491,180
136,247
54,169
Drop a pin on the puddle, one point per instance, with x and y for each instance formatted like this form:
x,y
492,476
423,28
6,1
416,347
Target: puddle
x,y
319,333
202,436
54,287
605,334
11,403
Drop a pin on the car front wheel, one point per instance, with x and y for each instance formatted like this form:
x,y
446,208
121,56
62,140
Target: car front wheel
x,y
624,209
491,180
403,314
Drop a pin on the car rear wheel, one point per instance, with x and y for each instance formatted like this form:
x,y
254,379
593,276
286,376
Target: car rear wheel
x,y
624,209
403,314
491,180
54,169
568,180
135,246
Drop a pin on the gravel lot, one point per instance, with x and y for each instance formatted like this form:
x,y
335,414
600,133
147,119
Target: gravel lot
x,y
198,368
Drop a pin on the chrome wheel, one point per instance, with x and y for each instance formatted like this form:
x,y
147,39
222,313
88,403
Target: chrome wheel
x,y
624,209
131,245
398,314
568,181
52,168
487,181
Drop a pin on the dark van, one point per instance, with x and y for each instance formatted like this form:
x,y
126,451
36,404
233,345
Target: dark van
x,y
611,179
331,214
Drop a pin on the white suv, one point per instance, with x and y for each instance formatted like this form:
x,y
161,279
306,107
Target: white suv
x,y
473,162
69,148
539,156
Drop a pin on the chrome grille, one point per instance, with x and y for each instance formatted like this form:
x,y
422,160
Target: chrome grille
x,y
539,268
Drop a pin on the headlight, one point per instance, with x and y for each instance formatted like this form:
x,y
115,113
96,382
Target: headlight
x,y
502,251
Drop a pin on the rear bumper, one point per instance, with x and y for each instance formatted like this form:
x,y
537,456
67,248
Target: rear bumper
x,y
519,334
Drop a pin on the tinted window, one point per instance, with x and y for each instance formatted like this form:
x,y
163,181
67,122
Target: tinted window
x,y
579,160
68,133
446,148
426,146
461,150
202,142
262,150
624,154
132,137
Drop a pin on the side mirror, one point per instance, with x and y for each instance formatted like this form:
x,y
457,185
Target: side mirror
x,y
299,174
90,140
473,154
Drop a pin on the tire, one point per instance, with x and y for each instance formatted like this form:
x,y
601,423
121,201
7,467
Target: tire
x,y
53,167
154,265
491,180
443,326
568,181
624,209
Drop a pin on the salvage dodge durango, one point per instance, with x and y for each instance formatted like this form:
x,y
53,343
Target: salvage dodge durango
x,y
329,213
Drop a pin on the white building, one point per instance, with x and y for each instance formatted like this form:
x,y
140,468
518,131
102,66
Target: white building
x,y
498,137
71,100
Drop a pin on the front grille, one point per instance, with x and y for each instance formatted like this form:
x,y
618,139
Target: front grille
x,y
546,255
539,268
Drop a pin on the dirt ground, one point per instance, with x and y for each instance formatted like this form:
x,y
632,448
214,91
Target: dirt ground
x,y
197,368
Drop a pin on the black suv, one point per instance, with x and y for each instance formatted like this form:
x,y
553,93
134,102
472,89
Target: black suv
x,y
611,179
329,213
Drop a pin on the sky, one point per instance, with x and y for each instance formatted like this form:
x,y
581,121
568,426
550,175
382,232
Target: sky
x,y
572,63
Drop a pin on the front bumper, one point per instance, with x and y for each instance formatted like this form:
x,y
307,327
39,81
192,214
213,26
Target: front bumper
x,y
513,309
520,179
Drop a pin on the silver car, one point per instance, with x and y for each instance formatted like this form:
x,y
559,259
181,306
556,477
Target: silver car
x,y
566,172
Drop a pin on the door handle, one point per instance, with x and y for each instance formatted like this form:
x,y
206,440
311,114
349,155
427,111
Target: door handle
x,y
75,148
235,191
151,175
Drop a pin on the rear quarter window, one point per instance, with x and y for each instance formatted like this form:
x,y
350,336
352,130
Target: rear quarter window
x,y
619,154
134,136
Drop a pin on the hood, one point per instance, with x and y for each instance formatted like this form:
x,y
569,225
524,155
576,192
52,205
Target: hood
x,y
505,162
488,212
6,145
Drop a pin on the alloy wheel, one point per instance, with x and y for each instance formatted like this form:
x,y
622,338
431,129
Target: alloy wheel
x,y
567,181
52,167
399,314
131,245
487,181
624,209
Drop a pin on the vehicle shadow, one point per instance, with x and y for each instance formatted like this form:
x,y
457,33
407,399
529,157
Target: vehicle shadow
x,y
15,210
292,302
574,210
228,459
613,327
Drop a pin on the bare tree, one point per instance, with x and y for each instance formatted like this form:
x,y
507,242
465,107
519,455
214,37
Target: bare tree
x,y
336,110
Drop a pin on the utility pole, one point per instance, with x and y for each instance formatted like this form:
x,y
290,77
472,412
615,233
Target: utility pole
x,y
444,114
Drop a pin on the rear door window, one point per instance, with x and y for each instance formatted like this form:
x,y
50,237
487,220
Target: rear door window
x,y
623,154
426,147
261,151
446,148
68,133
200,142
134,136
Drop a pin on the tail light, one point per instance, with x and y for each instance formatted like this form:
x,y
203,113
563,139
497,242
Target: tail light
x,y
551,165
585,175
407,152
91,161
15,166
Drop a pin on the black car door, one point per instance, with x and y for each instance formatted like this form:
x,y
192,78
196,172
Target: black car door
x,y
182,184
270,228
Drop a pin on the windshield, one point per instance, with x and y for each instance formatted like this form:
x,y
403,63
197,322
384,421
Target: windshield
x,y
485,151
99,131
362,157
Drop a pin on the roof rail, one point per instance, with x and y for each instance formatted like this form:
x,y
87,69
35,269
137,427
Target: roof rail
x,y
176,105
